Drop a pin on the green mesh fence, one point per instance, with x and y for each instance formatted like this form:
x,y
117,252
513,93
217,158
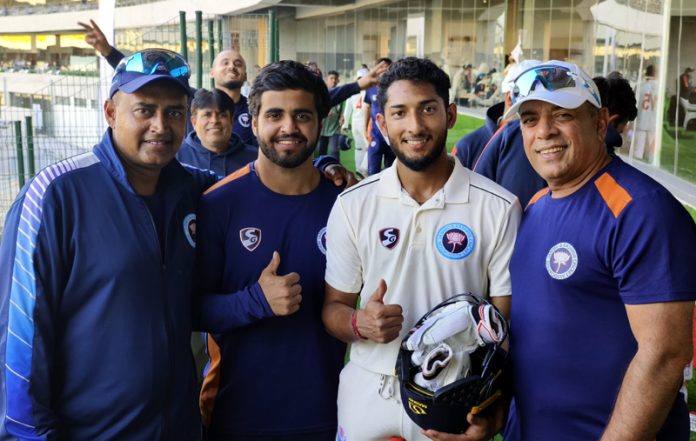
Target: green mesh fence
x,y
61,115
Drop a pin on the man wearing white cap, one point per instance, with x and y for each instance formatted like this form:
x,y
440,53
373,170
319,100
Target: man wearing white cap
x,y
603,292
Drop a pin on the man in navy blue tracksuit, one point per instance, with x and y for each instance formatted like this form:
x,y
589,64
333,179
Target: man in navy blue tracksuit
x,y
212,145
95,276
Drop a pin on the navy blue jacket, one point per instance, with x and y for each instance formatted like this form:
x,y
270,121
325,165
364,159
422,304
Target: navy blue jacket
x,y
469,147
193,154
95,316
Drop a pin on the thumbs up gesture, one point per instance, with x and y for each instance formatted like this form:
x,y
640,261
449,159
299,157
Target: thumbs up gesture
x,y
380,322
283,293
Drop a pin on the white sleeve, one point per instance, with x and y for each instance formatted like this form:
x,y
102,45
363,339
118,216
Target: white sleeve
x,y
347,113
499,267
343,265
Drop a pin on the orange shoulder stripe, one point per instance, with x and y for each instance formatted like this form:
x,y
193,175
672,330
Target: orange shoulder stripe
x,y
211,383
537,196
615,196
231,177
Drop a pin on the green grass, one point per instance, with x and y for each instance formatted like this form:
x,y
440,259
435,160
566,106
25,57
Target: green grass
x,y
691,388
686,159
463,126
691,211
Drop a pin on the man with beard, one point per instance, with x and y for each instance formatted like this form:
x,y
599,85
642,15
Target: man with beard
x,y
406,239
261,260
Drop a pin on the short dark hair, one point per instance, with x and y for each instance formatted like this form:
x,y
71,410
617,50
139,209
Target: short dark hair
x,y
209,99
288,74
650,70
618,97
416,70
386,60
333,72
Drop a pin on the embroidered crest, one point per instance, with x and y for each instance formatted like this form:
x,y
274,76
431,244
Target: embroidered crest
x,y
250,237
561,261
321,241
455,241
244,119
190,229
389,237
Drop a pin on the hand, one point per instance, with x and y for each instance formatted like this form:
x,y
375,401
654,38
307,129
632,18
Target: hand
x,y
380,322
339,174
372,76
96,38
482,427
283,293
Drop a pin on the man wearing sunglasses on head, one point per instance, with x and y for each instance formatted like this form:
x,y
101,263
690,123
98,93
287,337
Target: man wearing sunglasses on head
x,y
95,276
602,276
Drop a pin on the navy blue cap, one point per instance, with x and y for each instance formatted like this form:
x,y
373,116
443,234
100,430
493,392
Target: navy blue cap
x,y
146,66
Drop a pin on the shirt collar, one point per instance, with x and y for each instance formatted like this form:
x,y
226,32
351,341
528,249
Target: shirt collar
x,y
455,190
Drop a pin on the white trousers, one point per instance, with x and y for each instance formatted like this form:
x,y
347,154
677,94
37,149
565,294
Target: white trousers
x,y
369,408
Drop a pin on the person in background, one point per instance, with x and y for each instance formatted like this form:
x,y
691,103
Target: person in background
x,y
644,144
378,149
331,126
212,145
354,117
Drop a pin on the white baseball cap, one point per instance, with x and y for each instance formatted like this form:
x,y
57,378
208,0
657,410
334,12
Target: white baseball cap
x,y
361,73
560,83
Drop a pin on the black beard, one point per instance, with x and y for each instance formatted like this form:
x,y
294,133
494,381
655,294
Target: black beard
x,y
419,164
291,161
233,85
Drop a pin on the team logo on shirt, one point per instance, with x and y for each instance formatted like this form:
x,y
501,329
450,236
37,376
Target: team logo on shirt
x,y
455,241
389,237
244,119
190,229
321,241
250,237
561,261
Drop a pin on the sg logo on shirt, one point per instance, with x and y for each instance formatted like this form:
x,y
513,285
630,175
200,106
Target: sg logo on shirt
x,y
250,237
389,237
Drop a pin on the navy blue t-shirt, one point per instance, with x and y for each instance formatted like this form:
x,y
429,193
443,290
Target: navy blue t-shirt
x,y
283,369
578,261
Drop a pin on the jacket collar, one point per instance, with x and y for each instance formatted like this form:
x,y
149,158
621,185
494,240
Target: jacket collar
x,y
235,144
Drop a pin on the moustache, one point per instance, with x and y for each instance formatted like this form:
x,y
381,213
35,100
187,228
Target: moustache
x,y
296,138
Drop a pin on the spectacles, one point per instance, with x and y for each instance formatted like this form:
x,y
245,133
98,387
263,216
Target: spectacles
x,y
155,61
552,78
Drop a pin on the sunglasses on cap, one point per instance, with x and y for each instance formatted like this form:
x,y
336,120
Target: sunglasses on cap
x,y
552,78
155,62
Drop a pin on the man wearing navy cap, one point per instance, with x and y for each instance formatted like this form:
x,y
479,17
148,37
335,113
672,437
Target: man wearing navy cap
x,y
95,276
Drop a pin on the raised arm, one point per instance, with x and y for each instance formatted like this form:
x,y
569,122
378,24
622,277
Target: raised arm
x,y
96,38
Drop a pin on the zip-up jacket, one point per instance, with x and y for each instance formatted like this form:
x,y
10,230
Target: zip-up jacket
x,y
95,315
192,153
